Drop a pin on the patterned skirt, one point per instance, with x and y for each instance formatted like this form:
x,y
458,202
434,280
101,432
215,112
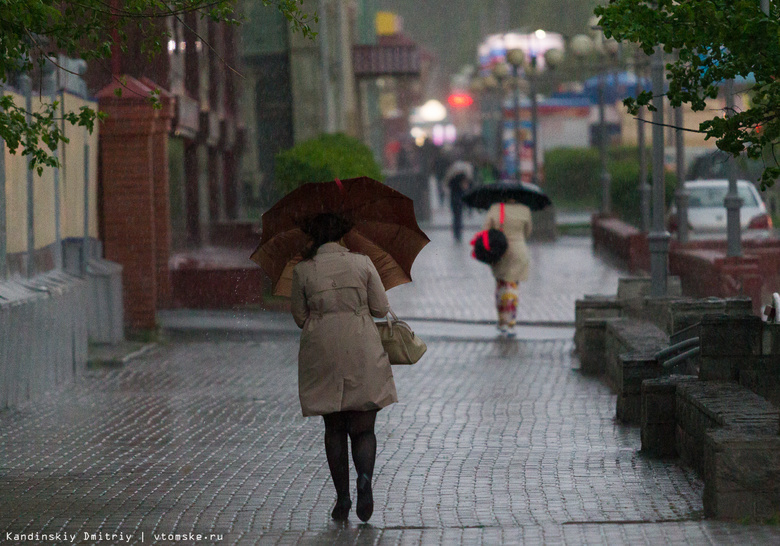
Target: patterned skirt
x,y
506,302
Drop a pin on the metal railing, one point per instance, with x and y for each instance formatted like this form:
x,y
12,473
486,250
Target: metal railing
x,y
679,352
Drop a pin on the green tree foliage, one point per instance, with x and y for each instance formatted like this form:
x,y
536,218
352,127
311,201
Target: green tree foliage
x,y
32,32
715,40
322,159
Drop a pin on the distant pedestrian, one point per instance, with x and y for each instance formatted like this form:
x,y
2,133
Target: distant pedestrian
x,y
459,178
512,268
343,372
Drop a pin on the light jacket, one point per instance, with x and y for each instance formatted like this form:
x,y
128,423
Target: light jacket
x,y
513,265
341,363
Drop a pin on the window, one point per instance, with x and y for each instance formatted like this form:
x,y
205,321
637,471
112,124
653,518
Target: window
x,y
713,196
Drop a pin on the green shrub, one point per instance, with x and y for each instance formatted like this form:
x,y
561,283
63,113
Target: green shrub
x,y
324,158
624,189
571,177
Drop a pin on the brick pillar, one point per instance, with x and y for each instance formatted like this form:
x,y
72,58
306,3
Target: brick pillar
x,y
162,203
127,181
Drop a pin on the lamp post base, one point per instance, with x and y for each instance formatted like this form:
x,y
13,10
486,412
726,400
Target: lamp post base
x,y
658,244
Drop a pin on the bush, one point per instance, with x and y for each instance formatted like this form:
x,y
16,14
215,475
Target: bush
x,y
573,179
624,189
324,158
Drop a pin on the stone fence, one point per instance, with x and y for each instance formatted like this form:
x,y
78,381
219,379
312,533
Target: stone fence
x,y
702,266
716,410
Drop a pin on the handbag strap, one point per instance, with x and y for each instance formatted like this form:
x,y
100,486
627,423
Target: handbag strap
x,y
390,322
501,216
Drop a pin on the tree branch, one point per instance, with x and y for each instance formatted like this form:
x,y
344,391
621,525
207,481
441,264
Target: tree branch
x,y
671,126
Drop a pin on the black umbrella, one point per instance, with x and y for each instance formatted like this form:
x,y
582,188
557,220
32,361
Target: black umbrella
x,y
526,193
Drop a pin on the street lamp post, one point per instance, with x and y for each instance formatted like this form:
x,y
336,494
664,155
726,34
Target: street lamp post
x,y
534,120
606,179
500,72
516,58
658,238
732,200
644,187
681,195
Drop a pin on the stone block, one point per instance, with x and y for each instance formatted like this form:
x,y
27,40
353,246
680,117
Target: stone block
x,y
741,474
635,368
659,407
592,349
592,307
687,448
764,383
731,335
658,439
627,335
628,408
656,310
685,313
718,368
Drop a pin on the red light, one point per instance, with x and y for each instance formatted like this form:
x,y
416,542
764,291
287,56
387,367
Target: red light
x,y
460,100
762,221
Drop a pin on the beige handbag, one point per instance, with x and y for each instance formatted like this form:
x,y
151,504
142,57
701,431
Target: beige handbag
x,y
401,344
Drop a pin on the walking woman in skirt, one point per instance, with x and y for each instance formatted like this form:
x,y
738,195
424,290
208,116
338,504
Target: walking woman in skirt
x,y
512,268
343,372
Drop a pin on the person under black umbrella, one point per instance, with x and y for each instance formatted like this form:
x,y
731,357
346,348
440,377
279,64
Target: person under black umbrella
x,y
509,207
513,266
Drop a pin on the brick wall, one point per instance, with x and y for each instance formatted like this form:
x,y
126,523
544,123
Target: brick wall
x,y
134,167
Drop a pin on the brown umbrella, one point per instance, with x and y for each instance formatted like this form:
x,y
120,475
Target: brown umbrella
x,y
385,229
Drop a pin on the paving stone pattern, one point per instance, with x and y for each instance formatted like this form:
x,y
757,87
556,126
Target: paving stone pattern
x,y
449,284
492,442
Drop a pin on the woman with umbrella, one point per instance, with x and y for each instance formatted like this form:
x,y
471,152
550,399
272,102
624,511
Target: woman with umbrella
x,y
509,210
319,246
513,265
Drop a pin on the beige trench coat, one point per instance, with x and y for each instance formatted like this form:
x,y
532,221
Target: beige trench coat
x,y
341,363
513,266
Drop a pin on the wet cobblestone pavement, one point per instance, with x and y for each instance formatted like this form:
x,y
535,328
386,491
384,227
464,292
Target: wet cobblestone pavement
x,y
492,442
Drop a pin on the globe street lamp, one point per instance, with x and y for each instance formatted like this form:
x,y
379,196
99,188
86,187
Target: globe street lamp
x,y
516,58
500,73
530,48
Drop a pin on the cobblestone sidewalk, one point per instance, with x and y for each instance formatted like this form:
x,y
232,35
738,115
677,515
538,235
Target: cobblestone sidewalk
x,y
492,443
449,284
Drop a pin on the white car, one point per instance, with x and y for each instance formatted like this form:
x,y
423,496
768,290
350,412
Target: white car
x,y
707,213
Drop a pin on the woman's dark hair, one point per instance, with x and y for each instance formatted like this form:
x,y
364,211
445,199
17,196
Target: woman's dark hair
x,y
324,228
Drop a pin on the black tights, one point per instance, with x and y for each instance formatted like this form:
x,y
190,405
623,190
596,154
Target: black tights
x,y
359,425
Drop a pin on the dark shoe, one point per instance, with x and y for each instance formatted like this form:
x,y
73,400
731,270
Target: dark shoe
x,y
341,510
365,501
